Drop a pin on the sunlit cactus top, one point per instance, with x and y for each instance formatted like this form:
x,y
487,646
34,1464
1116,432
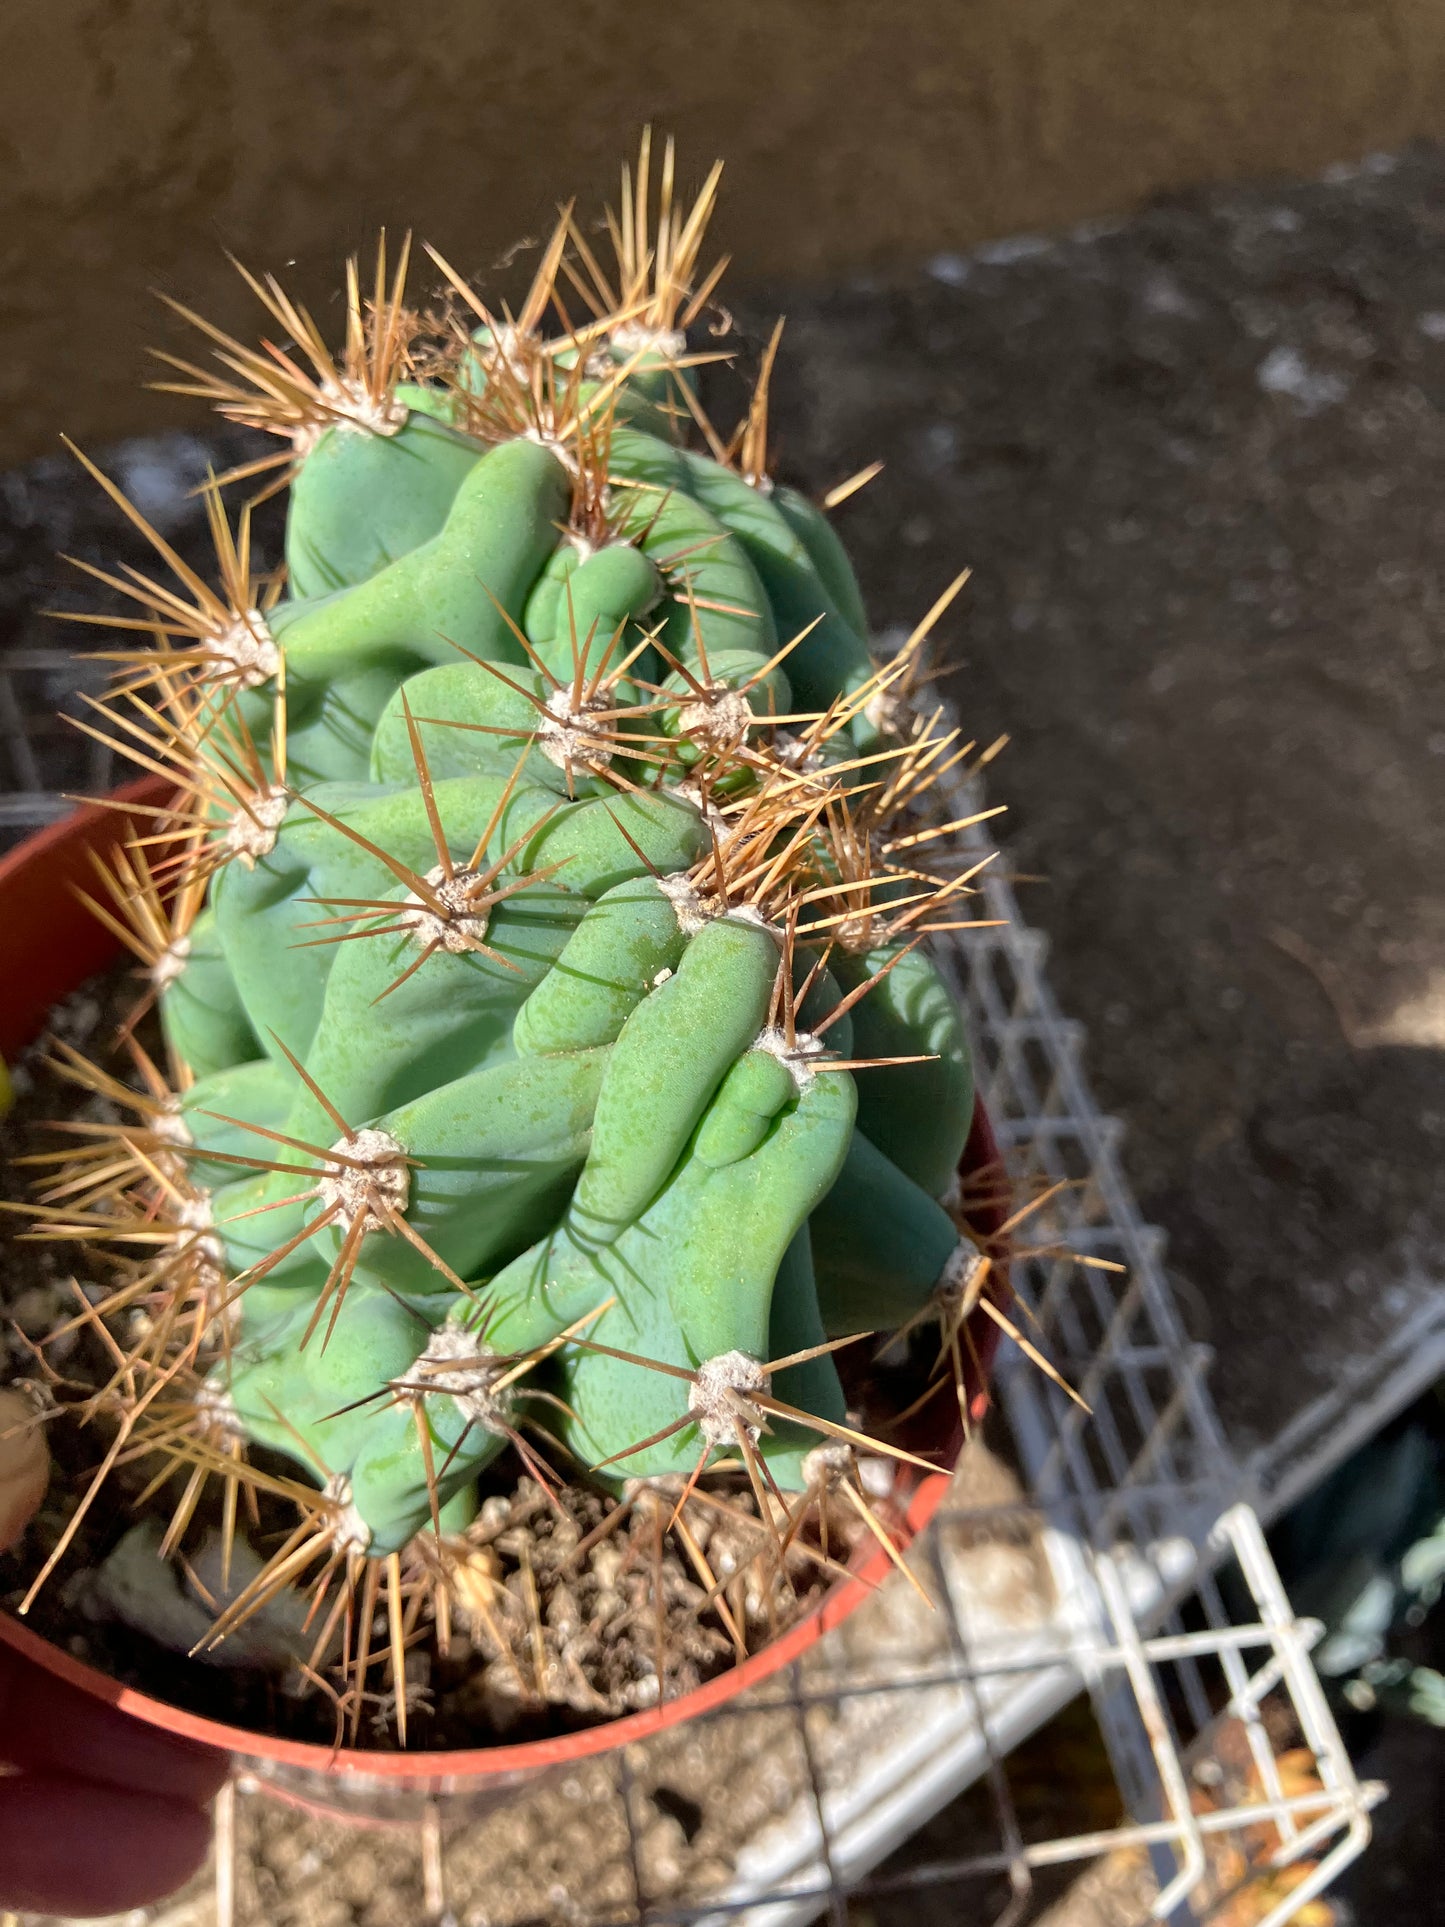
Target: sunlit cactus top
x,y
538,933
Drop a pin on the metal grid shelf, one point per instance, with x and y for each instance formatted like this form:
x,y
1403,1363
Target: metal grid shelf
x,y
1092,1568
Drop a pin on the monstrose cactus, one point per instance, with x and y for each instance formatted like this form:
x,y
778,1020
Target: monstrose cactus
x,y
538,931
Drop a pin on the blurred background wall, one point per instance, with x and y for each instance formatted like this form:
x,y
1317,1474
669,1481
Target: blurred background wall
x,y
140,138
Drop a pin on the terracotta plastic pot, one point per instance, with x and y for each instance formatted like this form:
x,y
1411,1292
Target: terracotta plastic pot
x,y
49,944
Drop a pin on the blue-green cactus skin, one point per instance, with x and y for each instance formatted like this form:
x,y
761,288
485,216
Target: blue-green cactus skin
x,y
586,1134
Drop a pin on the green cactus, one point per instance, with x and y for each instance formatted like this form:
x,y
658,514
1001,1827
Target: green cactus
x,y
536,895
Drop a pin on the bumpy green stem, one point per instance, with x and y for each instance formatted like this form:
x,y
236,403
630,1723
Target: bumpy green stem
x,y
513,1017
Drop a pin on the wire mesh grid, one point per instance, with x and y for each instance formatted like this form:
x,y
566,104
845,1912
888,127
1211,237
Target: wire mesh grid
x,y
42,757
1094,1568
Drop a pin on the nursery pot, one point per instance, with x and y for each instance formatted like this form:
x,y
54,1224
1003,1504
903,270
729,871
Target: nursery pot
x,y
49,944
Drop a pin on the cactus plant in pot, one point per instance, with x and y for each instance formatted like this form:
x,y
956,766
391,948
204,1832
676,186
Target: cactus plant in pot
x,y
550,1084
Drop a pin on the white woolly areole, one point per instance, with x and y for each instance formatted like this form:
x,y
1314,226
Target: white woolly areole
x,y
567,736
511,348
349,1531
636,338
171,962
246,652
216,1416
886,712
960,1274
252,831
223,1307
350,405
750,913
953,1196
170,1126
194,1214
719,1401
795,754
693,911
577,539
462,927
456,1361
827,1463
857,932
793,1057
545,436
685,901
376,1177
201,1258
719,715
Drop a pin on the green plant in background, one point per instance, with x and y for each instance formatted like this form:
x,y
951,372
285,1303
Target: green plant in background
x,y
537,932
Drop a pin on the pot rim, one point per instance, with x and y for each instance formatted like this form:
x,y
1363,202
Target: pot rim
x,y
45,869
